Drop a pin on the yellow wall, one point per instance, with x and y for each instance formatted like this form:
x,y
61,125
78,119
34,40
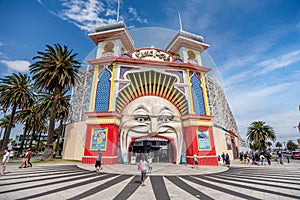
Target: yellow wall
x,y
74,141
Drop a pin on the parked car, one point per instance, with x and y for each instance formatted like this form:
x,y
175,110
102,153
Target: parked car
x,y
295,154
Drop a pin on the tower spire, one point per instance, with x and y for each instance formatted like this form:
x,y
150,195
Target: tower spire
x,y
180,24
118,11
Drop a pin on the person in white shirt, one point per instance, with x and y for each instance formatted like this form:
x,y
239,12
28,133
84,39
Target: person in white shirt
x,y
150,163
143,171
4,161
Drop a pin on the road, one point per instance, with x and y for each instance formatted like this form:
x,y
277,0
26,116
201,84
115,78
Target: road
x,y
71,181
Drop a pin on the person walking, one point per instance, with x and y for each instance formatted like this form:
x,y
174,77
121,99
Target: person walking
x,y
279,153
269,158
227,160
29,157
24,163
195,160
219,160
143,167
150,164
223,158
4,161
98,164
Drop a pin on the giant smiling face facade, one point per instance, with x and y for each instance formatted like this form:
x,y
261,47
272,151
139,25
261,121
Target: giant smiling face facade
x,y
151,116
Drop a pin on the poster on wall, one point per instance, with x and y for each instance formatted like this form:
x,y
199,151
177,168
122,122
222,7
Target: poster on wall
x,y
99,139
203,139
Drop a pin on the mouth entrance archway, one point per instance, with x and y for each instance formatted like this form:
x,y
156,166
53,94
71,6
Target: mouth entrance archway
x,y
160,149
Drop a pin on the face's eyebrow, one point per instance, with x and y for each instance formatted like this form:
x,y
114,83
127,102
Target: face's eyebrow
x,y
140,109
165,109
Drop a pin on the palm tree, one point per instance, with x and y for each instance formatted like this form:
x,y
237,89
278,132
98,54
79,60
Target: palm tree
x,y
291,145
55,70
30,117
278,144
4,123
259,132
15,92
62,109
41,128
62,115
269,144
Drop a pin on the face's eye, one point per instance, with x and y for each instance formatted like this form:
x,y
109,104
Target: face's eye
x,y
166,119
142,118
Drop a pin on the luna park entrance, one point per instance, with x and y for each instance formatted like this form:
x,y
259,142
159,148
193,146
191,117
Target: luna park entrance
x,y
159,149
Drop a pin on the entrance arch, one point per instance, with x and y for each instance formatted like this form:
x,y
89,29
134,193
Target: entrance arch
x,y
161,150
153,119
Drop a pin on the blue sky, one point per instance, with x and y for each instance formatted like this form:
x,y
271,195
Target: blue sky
x,y
255,44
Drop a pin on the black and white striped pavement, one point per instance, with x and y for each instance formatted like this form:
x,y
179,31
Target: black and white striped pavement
x,y
68,181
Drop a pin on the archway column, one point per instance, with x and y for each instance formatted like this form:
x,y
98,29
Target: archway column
x,y
199,139
102,133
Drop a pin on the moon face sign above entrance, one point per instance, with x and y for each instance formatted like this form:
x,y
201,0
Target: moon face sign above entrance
x,y
151,117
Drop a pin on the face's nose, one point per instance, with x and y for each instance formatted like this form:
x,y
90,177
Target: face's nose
x,y
154,126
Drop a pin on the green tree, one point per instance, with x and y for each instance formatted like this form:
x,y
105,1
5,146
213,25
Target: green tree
x,y
15,92
259,132
291,145
269,144
4,123
30,117
55,70
62,110
278,145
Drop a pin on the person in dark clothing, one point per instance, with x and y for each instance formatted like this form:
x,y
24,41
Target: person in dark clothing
x,y
269,158
223,158
98,161
227,160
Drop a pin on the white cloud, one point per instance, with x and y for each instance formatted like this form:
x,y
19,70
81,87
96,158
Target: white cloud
x,y
88,14
279,62
17,65
133,11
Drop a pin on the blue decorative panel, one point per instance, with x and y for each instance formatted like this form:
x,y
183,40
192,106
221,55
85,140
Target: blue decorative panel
x,y
123,70
103,92
197,95
178,73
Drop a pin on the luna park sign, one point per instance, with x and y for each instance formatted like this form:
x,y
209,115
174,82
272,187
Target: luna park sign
x,y
152,54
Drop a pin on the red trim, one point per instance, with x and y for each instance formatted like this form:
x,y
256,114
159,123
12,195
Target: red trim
x,y
150,63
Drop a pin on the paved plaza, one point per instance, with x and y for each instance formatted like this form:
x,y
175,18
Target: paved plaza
x,y
168,181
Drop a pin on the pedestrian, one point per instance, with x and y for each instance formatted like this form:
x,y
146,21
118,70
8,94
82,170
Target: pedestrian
x,y
143,167
4,161
195,160
29,157
24,163
219,160
98,164
223,158
150,164
11,154
241,156
246,157
262,159
269,158
279,153
227,160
